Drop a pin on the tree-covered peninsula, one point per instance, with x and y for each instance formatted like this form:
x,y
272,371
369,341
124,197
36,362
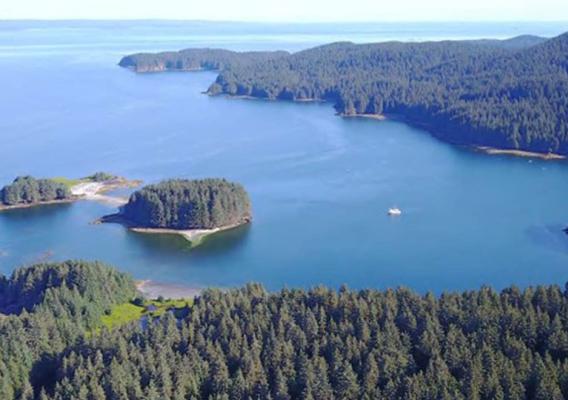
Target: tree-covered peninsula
x,y
247,343
195,59
504,94
189,204
27,190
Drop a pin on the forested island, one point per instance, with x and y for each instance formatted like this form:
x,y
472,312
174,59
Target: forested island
x,y
191,208
247,343
27,191
509,95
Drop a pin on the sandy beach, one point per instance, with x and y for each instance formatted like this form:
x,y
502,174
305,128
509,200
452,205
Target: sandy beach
x,y
377,117
520,153
153,290
95,191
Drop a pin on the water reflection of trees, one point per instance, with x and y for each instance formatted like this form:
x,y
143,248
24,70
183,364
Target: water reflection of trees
x,y
168,244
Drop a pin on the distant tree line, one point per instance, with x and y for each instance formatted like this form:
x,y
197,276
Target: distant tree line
x,y
195,59
28,190
189,204
508,94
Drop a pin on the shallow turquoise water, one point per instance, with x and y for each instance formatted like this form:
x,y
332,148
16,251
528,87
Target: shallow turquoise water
x,y
320,185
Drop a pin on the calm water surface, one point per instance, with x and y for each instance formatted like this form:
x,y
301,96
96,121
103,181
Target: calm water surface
x,y
320,185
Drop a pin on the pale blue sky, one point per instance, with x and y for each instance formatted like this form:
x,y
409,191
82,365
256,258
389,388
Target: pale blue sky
x,y
290,10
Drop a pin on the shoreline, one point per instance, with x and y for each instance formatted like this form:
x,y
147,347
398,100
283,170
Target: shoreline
x,y
399,117
249,97
377,117
86,190
162,68
381,117
24,206
194,236
519,153
488,150
152,290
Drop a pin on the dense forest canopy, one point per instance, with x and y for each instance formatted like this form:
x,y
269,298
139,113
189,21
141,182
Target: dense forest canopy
x,y
189,204
46,309
28,190
293,344
507,94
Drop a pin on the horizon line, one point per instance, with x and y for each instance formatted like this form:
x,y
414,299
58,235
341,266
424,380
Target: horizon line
x,y
307,22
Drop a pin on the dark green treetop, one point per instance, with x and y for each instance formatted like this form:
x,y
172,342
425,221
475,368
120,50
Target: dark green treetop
x,y
189,204
28,190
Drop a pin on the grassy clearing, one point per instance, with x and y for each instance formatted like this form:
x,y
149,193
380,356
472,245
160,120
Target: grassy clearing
x,y
98,177
123,314
68,182
165,305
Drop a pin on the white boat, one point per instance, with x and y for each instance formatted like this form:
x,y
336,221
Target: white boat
x,y
394,211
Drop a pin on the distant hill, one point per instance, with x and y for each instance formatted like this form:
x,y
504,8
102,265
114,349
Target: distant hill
x,y
515,43
509,94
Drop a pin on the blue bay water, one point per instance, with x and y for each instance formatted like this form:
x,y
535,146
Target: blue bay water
x,y
320,185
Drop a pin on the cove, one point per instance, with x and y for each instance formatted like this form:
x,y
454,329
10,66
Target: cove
x,y
320,185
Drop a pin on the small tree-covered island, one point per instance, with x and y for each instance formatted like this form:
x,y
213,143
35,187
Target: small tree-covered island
x,y
193,209
496,95
27,191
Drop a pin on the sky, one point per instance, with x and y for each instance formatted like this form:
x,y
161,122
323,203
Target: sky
x,y
290,10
